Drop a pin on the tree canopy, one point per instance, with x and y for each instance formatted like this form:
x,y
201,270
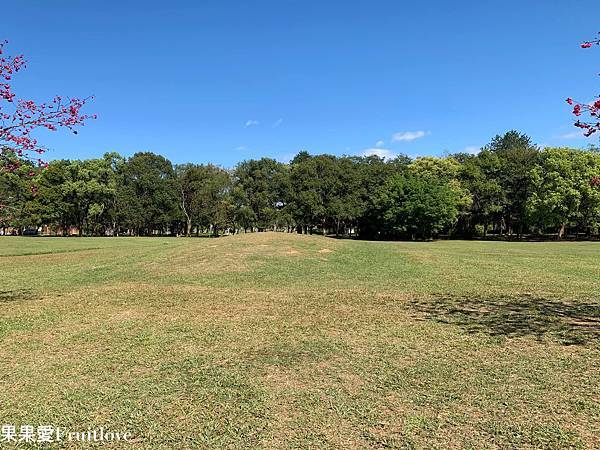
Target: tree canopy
x,y
510,188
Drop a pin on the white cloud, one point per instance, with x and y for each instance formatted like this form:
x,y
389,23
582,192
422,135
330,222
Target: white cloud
x,y
241,147
286,158
381,152
472,149
407,136
572,135
250,123
379,144
277,123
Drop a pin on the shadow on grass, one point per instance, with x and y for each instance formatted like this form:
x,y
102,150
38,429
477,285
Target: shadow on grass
x,y
15,295
567,323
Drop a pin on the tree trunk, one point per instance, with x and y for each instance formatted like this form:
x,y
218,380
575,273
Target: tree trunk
x,y
561,231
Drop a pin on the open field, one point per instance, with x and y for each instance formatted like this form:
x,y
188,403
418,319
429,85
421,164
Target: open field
x,y
285,341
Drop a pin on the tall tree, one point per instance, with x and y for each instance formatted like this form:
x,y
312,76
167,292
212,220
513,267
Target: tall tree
x,y
314,181
79,194
562,193
204,197
479,175
373,172
147,196
348,202
447,170
189,176
261,190
18,189
517,155
416,206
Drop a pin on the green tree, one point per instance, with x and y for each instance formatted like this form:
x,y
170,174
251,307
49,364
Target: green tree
x,y
347,204
517,155
479,174
323,191
446,170
190,181
78,193
17,195
373,172
55,208
262,189
562,193
147,195
215,195
417,206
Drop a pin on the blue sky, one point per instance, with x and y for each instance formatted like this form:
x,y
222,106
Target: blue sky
x,y
223,81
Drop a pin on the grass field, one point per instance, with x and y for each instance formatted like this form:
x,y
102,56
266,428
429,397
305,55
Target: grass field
x,y
272,340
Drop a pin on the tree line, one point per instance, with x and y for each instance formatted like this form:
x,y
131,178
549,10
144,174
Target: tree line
x,y
510,188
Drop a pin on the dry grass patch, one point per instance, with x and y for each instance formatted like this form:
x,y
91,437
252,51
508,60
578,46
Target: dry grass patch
x,y
256,341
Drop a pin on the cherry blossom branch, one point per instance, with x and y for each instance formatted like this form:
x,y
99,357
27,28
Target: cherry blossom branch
x,y
19,118
592,110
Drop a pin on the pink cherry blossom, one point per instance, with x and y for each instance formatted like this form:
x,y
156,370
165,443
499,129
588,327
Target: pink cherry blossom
x,y
19,118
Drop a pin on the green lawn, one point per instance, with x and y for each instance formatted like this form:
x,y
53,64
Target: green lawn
x,y
273,340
